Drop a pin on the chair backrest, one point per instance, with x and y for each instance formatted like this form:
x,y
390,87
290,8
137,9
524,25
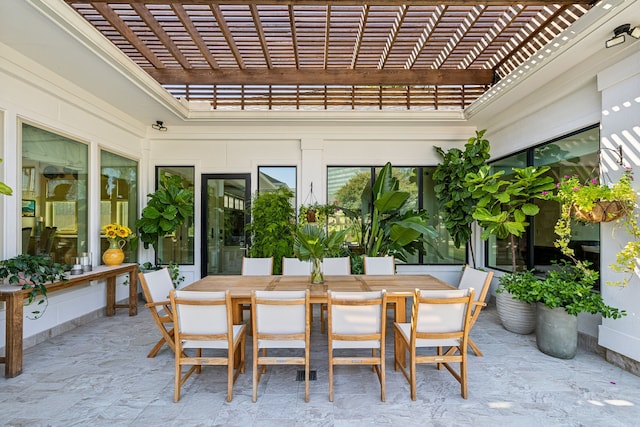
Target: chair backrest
x,y
353,314
156,286
257,266
295,267
202,316
477,279
281,312
441,313
336,266
46,239
379,265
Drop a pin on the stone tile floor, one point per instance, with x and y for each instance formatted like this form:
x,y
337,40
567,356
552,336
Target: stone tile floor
x,y
98,375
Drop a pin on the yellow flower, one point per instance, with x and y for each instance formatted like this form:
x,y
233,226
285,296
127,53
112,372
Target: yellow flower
x,y
117,232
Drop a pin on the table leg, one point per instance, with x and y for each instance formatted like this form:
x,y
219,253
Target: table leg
x,y
111,296
133,293
400,317
14,326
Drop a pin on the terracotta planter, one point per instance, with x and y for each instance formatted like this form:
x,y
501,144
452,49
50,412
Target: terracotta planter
x,y
311,215
602,212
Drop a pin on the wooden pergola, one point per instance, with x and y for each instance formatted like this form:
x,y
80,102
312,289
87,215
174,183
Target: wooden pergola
x,y
340,54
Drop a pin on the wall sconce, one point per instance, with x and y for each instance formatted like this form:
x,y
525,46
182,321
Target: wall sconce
x,y
619,32
159,126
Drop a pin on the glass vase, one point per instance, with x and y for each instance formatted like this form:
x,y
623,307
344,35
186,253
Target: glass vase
x,y
316,271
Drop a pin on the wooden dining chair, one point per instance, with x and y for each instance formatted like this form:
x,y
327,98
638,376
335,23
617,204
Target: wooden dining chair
x,y
204,321
440,319
356,323
338,266
156,286
295,267
381,265
257,266
477,279
281,320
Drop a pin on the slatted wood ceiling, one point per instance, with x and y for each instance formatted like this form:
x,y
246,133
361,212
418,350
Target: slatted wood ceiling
x,y
341,54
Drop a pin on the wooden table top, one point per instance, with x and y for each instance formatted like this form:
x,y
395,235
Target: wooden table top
x,y
395,285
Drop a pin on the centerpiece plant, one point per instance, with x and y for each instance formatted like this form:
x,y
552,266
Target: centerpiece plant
x,y
313,244
592,201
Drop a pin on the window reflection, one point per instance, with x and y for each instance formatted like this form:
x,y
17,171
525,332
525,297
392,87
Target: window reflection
x,y
177,247
54,193
118,195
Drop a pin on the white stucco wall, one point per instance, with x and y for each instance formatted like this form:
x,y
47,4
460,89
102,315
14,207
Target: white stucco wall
x,y
620,88
37,96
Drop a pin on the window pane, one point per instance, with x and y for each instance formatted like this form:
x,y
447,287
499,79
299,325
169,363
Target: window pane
x,y
54,193
573,155
445,252
344,189
499,253
118,195
408,181
177,247
270,178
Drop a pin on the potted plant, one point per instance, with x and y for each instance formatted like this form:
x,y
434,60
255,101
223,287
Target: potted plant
x,y
4,188
315,213
117,235
564,293
312,243
32,272
272,226
592,201
503,208
455,203
517,307
167,209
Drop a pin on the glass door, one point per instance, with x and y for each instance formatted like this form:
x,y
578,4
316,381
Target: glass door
x,y
225,198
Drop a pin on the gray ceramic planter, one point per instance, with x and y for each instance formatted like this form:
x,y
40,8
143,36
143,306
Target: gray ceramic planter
x,y
556,332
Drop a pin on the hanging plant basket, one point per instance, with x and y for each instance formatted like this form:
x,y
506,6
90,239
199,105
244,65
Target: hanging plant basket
x,y
311,215
601,212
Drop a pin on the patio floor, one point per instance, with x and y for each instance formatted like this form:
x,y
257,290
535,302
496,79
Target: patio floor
x,y
98,374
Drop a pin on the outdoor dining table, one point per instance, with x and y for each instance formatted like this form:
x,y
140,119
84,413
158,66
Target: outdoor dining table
x,y
398,287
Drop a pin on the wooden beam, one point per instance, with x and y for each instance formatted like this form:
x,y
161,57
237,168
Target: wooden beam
x,y
355,2
312,76
127,33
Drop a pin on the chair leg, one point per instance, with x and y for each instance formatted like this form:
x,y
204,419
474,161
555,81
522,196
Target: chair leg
x,y
475,348
383,381
330,379
177,381
412,368
154,351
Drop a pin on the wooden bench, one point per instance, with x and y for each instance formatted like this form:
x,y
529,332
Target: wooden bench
x,y
14,297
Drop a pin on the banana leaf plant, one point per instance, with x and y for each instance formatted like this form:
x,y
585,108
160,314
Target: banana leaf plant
x,y
388,225
504,204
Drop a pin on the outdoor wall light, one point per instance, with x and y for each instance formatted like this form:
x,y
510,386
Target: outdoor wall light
x,y
159,126
619,32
